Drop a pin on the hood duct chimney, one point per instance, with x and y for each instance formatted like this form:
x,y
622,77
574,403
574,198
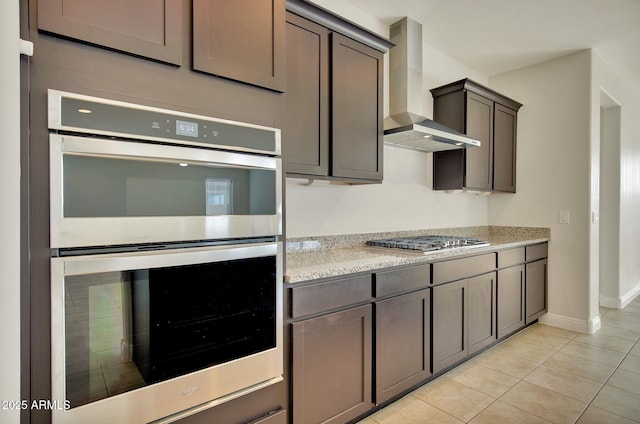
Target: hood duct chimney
x,y
406,126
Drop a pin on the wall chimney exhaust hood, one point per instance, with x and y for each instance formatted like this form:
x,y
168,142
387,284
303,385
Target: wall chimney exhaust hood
x,y
406,126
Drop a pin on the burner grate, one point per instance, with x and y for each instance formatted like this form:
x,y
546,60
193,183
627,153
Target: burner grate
x,y
429,243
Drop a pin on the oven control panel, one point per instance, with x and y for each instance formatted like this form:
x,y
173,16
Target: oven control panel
x,y
79,113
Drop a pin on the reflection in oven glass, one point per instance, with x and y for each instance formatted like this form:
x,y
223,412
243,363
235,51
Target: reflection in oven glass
x,y
98,337
129,329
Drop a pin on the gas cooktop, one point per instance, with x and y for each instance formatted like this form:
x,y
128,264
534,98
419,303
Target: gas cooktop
x,y
429,243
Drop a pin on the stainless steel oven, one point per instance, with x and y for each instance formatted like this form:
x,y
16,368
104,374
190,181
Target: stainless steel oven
x,y
125,174
166,269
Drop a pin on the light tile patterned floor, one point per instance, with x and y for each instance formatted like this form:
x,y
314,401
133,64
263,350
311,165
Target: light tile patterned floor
x,y
541,375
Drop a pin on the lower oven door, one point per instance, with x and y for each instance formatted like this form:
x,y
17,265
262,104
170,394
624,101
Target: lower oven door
x,y
141,336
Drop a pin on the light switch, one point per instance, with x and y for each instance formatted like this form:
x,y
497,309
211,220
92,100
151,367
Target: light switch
x,y
564,217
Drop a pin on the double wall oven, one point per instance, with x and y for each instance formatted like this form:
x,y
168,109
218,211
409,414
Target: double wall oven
x,y
166,268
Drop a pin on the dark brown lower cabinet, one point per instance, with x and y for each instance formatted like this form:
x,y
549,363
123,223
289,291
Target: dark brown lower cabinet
x,y
332,367
536,289
481,311
278,417
449,324
402,343
510,300
464,319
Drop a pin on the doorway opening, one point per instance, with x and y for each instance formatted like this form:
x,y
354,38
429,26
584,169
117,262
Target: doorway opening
x,y
609,245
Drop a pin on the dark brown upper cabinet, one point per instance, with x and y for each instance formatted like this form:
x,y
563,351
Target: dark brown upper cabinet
x,y
356,112
306,120
504,148
242,40
146,28
487,116
333,97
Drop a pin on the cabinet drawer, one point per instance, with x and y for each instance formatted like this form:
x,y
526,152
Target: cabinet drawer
x,y
510,257
401,280
537,251
462,268
315,298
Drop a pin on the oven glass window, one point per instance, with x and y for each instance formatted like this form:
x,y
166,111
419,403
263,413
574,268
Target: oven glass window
x,y
128,329
110,187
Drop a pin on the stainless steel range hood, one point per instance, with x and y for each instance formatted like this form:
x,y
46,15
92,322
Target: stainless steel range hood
x,y
406,126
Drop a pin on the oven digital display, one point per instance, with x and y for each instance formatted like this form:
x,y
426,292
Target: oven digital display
x,y
186,128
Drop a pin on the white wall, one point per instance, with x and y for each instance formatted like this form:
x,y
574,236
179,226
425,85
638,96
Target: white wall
x,y
405,199
553,174
9,209
608,79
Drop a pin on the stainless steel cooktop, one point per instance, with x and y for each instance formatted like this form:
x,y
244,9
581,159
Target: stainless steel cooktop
x,y
429,243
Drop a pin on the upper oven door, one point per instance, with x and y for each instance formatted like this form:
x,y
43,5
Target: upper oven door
x,y
114,192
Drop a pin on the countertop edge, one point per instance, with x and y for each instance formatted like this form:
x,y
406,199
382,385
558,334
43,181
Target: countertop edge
x,y
332,263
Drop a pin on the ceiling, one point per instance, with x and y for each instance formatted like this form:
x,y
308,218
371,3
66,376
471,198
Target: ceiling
x,y
496,36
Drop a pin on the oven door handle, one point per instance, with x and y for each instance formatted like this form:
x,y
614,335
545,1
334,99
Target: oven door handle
x,y
78,265
165,153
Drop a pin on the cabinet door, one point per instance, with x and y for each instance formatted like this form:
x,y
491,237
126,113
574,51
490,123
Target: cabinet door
x,y
356,112
510,300
242,40
481,311
504,149
147,28
536,289
305,135
479,125
332,367
402,343
449,325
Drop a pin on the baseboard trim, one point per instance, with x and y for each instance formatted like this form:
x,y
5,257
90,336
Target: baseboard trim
x,y
630,296
579,325
620,302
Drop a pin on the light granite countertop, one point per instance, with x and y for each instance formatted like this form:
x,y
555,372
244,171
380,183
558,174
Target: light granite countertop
x,y
311,258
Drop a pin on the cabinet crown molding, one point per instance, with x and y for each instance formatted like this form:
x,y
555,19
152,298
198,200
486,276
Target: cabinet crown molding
x,y
468,84
336,23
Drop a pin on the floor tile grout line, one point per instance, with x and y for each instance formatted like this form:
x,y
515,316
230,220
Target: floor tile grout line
x,y
434,406
604,348
602,387
587,404
607,380
528,374
537,366
520,379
